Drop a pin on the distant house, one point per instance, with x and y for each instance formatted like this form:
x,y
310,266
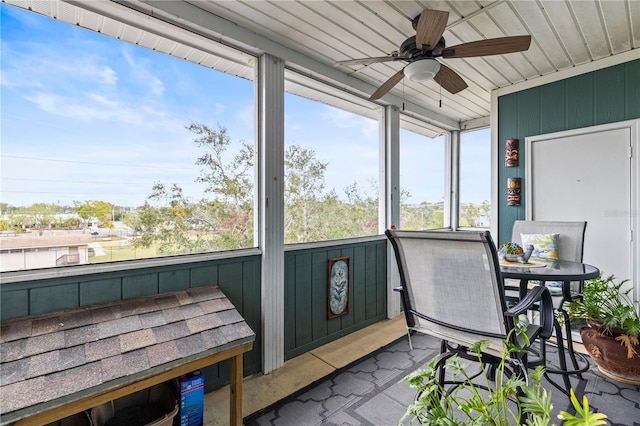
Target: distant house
x,y
32,252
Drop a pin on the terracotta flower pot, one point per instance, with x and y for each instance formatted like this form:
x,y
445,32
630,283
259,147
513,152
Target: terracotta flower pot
x,y
611,355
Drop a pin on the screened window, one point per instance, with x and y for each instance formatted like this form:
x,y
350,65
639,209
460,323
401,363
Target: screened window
x,y
118,148
475,179
331,165
422,181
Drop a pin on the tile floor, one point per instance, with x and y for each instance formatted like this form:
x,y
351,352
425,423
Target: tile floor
x,y
371,392
357,380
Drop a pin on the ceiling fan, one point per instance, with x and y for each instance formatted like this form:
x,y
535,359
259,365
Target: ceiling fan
x,y
421,50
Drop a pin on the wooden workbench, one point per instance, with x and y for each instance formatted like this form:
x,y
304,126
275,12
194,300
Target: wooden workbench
x,y
62,363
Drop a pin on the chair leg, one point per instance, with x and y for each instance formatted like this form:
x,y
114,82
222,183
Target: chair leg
x,y
572,355
562,359
441,369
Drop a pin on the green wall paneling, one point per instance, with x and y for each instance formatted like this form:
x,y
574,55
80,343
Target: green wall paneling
x,y
139,285
229,278
303,300
529,108
508,129
204,275
604,96
380,268
100,291
289,303
632,89
252,313
371,305
14,304
580,108
359,284
306,274
609,95
552,107
173,280
64,296
319,325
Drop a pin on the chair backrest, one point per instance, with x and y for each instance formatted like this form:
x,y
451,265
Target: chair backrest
x,y
570,240
451,281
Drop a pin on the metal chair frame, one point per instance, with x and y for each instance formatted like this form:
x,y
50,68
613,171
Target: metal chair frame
x,y
570,247
451,345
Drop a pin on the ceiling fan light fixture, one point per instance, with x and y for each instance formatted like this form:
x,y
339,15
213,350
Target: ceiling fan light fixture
x,y
422,70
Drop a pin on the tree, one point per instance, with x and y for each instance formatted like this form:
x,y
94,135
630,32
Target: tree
x,y
423,216
230,180
93,209
5,208
39,215
225,221
303,186
473,215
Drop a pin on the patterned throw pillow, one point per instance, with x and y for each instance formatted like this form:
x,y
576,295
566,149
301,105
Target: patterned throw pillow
x,y
545,246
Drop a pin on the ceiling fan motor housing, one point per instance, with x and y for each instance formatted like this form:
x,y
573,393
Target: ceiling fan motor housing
x,y
409,50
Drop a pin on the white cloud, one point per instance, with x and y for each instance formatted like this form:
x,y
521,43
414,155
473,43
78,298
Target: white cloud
x,y
140,72
347,120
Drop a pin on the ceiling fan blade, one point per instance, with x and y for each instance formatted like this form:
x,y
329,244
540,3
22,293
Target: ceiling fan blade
x,y
450,80
368,60
491,46
430,27
387,85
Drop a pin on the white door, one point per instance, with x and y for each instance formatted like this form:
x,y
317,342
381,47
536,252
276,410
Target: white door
x,y
587,176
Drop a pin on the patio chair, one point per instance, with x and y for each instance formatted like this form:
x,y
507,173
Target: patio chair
x,y
569,246
452,289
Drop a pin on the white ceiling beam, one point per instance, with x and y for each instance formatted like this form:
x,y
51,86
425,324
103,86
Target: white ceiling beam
x,y
189,16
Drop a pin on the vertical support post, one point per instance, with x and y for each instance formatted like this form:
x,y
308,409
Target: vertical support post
x,y
452,180
495,202
389,198
270,212
235,388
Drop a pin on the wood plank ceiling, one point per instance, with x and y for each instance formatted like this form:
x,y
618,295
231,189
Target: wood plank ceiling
x,y
565,35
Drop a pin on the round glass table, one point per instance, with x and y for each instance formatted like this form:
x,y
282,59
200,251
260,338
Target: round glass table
x,y
565,272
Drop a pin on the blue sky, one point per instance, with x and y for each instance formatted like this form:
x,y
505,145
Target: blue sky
x,y
88,117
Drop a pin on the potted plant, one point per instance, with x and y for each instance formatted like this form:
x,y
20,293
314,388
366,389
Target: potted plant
x,y
613,326
479,400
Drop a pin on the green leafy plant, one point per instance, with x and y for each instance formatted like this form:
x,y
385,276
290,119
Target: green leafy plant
x,y
587,416
604,303
479,400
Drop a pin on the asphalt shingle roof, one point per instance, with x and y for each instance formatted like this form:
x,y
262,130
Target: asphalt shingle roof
x,y
55,355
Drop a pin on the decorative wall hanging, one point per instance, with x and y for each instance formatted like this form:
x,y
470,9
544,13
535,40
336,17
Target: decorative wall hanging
x,y
511,153
513,191
338,287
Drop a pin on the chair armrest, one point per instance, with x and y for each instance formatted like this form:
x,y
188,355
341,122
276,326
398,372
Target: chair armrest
x,y
537,294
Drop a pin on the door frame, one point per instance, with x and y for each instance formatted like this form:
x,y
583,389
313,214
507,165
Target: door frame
x,y
634,127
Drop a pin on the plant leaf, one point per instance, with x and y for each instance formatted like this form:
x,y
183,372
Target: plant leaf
x,y
587,417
